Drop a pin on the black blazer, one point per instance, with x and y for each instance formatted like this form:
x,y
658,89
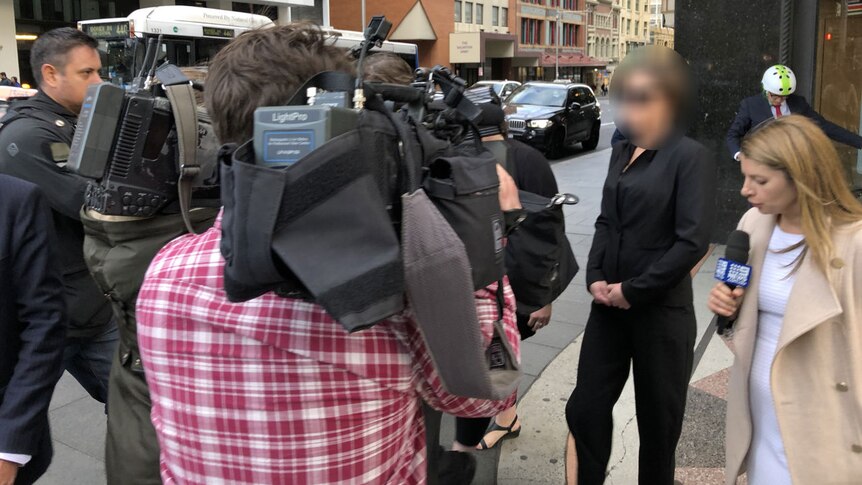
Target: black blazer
x,y
655,222
32,323
756,109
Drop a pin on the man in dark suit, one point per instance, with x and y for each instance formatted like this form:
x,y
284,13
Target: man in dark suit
x,y
35,141
777,99
32,331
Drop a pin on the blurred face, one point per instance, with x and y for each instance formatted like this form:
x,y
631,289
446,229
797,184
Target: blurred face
x,y
644,111
769,190
67,85
775,99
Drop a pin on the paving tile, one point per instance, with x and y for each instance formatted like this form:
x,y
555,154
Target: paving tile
x,y
701,444
700,476
68,390
557,335
81,425
536,357
571,312
526,382
71,467
715,384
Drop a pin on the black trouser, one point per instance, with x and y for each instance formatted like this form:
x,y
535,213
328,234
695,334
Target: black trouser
x,y
658,342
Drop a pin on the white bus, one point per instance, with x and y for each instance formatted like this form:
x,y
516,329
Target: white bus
x,y
347,39
191,36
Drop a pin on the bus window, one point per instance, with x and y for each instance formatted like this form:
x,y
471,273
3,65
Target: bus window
x,y
206,49
120,59
179,52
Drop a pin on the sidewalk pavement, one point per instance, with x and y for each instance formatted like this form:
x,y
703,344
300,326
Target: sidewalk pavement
x,y
550,364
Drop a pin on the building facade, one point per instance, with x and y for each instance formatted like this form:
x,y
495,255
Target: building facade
x,y
552,41
482,45
426,23
22,21
821,42
603,33
662,36
634,25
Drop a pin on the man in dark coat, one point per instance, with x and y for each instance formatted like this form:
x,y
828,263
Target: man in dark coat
x,y
32,331
776,100
35,139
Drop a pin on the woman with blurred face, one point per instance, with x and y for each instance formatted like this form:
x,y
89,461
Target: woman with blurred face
x,y
794,407
653,229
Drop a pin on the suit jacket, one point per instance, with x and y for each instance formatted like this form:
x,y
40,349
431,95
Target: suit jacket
x,y
31,149
817,371
651,235
32,321
756,109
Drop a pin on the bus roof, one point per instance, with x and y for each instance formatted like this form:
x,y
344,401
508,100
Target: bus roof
x,y
200,15
174,20
347,39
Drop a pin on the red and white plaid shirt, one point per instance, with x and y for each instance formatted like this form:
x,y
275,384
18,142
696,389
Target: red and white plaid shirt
x,y
274,391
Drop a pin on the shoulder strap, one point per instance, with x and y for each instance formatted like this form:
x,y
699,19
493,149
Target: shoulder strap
x,y
184,109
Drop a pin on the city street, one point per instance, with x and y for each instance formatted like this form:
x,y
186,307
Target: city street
x,y
78,422
549,363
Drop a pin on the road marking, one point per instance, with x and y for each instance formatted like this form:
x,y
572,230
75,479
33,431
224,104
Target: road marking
x,y
608,124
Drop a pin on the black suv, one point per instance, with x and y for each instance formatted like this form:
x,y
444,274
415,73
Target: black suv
x,y
552,116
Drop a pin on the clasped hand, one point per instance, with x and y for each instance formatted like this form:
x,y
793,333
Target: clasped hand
x,y
609,294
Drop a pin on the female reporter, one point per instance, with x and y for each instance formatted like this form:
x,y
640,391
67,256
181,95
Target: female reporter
x,y
794,410
652,230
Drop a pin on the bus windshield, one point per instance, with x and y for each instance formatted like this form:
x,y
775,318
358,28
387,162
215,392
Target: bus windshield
x,y
120,60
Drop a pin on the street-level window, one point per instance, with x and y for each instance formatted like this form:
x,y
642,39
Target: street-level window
x,y
468,12
457,10
480,13
495,16
504,17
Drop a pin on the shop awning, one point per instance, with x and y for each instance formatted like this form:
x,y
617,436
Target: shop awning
x,y
575,59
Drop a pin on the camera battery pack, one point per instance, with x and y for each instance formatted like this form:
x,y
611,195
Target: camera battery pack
x,y
284,135
97,125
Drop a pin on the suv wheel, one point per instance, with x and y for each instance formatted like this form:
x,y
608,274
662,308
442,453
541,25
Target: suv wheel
x,y
593,141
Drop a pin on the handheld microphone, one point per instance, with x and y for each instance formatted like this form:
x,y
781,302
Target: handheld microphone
x,y
733,270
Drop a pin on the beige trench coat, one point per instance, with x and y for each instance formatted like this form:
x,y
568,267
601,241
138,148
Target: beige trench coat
x,y
817,371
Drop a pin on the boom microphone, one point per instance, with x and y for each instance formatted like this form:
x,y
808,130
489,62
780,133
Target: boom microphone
x,y
733,270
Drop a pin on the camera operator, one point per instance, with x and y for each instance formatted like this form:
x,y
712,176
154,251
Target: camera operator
x,y
274,390
34,146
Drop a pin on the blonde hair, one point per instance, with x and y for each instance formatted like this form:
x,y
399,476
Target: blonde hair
x,y
796,146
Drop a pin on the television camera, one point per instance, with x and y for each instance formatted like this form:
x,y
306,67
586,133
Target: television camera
x,y
140,145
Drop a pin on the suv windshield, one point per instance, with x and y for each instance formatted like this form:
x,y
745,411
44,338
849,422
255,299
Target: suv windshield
x,y
539,95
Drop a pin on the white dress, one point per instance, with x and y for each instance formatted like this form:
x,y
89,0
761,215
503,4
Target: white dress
x,y
767,462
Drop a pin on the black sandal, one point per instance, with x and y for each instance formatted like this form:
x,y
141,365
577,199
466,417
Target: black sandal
x,y
509,433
